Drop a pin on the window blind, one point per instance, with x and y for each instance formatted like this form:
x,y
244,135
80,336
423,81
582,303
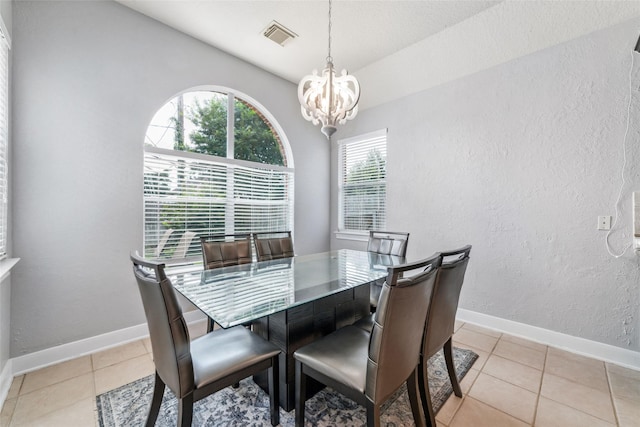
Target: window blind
x,y
363,188
4,141
188,195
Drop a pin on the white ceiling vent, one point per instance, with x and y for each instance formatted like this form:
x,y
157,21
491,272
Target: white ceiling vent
x,y
279,33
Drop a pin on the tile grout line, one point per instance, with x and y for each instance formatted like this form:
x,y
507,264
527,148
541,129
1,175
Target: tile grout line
x,y
481,371
613,401
586,386
500,379
544,368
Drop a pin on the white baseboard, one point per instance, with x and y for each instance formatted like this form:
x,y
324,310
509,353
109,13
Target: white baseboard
x,y
6,377
593,349
51,356
62,353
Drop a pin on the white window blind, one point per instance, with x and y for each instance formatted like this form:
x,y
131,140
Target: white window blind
x,y
363,182
188,195
4,141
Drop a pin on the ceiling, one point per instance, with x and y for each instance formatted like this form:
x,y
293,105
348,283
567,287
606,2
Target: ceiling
x,y
363,32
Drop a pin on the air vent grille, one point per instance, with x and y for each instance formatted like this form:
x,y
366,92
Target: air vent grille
x,y
279,33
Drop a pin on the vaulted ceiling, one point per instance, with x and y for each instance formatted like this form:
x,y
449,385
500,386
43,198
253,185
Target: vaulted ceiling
x,y
363,32
394,47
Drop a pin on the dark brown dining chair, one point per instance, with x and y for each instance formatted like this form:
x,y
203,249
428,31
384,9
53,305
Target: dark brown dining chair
x,y
224,250
381,244
370,367
273,245
440,323
196,369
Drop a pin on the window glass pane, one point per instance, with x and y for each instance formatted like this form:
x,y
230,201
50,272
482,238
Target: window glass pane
x,y
208,116
181,195
193,121
255,140
363,182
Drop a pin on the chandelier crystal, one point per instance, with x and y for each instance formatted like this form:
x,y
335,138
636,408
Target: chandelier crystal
x,y
327,98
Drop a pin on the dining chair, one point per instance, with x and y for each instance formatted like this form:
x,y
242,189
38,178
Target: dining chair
x,y
273,245
196,369
385,243
370,367
440,323
223,250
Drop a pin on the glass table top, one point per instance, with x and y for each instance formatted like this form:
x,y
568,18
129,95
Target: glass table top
x,y
240,294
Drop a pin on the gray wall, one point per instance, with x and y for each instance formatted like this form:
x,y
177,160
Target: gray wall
x,y
519,160
88,78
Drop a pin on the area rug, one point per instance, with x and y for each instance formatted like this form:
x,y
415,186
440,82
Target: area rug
x,y
248,405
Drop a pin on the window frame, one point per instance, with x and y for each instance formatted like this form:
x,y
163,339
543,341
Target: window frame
x,y
230,163
358,142
5,47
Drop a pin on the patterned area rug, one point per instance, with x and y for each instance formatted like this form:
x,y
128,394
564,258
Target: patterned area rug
x,y
248,405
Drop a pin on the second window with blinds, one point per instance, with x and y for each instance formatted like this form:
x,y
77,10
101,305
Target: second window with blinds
x,y
213,164
363,182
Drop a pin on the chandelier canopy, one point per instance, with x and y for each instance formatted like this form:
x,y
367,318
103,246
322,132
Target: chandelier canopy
x,y
328,98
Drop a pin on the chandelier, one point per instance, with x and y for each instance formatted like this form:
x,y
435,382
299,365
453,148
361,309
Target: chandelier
x,y
327,98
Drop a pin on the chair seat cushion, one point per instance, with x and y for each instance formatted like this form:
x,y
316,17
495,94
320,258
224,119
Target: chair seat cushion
x,y
342,355
224,351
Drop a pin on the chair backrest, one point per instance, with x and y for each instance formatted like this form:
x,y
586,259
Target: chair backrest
x,y
222,250
444,301
388,242
273,245
396,337
167,327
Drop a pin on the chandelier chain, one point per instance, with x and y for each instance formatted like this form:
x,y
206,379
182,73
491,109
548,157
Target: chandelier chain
x,y
329,58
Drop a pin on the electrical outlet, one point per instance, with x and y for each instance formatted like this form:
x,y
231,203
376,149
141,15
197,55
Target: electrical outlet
x,y
604,222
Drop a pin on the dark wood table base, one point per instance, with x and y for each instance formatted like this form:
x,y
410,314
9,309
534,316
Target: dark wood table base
x,y
297,326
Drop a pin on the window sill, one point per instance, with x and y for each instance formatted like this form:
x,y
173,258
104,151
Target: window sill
x,y
352,235
6,265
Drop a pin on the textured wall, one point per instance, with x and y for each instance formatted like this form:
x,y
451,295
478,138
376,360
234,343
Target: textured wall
x,y
88,78
497,35
519,160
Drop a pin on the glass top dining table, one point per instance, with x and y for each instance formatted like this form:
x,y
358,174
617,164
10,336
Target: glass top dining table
x,y
239,294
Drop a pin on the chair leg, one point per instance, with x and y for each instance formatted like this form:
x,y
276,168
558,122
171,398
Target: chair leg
x,y
414,400
373,414
274,391
185,411
425,395
448,357
158,392
301,394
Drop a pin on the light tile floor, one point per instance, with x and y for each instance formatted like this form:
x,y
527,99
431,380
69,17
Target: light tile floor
x,y
514,382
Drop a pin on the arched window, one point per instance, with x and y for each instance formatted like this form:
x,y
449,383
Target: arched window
x,y
214,163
